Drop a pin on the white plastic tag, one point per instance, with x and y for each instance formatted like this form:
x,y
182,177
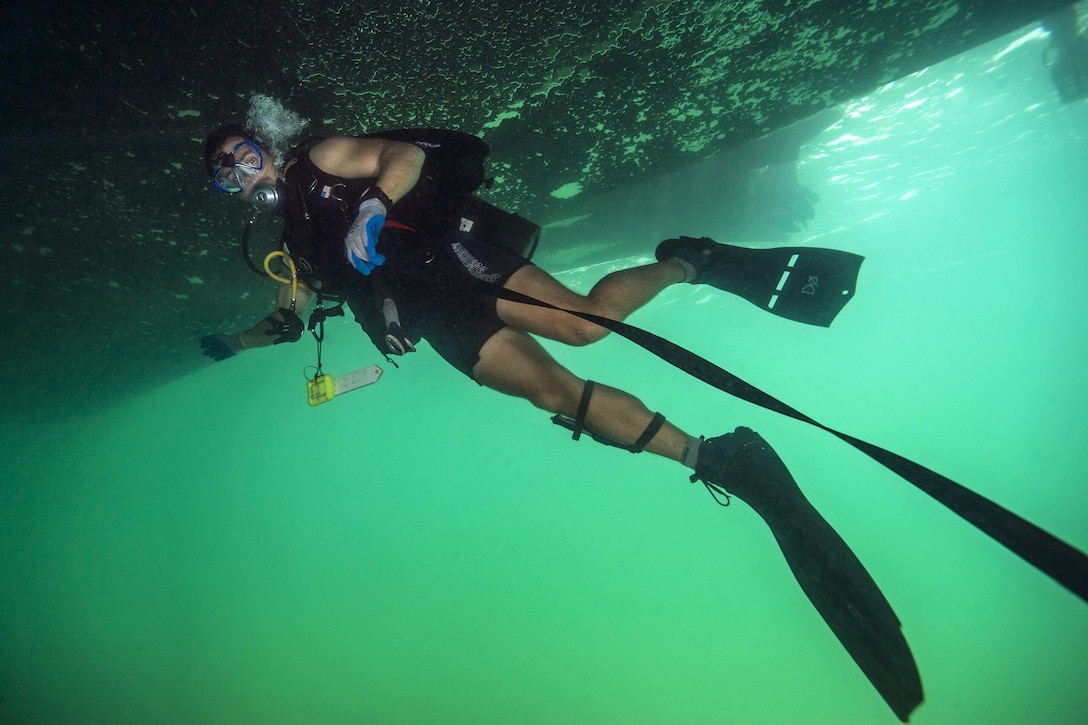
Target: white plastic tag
x,y
358,379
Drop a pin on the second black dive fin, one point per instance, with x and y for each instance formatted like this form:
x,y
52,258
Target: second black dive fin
x,y
830,574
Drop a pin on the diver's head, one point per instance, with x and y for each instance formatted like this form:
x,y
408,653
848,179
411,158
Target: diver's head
x,y
237,161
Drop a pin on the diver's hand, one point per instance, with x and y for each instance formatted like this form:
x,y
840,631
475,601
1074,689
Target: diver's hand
x,y
361,241
287,327
220,347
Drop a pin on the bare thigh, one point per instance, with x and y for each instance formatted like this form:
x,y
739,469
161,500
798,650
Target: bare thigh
x,y
552,324
512,362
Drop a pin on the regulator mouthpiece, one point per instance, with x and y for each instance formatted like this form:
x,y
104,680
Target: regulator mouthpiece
x,y
266,196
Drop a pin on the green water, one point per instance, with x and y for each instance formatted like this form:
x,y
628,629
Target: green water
x,y
424,551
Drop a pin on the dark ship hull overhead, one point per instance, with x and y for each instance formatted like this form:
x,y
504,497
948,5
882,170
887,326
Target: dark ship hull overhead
x,y
118,258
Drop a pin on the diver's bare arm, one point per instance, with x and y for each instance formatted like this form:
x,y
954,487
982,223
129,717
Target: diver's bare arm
x,y
396,165
255,336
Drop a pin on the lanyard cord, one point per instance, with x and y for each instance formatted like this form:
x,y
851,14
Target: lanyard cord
x,y
317,329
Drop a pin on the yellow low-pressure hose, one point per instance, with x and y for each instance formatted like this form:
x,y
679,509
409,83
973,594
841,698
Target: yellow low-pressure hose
x,y
291,266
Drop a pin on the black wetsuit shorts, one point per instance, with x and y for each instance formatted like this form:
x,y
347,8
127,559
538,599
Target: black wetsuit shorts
x,y
439,287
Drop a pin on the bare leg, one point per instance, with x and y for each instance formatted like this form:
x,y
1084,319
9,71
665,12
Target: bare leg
x,y
620,293
616,296
511,362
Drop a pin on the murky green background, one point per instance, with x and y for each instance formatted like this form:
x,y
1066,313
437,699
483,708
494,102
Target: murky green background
x,y
424,551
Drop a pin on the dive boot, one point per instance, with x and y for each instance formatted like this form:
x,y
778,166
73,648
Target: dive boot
x,y
744,465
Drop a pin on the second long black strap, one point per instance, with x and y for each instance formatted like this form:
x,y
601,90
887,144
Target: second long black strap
x,y
1046,552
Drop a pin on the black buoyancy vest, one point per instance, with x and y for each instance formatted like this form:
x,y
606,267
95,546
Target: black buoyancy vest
x,y
453,168
320,207
454,164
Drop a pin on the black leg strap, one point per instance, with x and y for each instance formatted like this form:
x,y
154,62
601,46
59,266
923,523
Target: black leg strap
x,y
577,425
648,434
583,409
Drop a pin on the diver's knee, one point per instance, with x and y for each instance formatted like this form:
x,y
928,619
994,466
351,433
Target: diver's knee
x,y
581,333
551,399
593,333
554,397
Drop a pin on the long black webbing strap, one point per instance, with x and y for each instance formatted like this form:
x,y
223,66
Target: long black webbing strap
x,y
1054,557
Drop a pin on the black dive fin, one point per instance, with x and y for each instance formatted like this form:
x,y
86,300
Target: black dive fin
x,y
828,571
806,284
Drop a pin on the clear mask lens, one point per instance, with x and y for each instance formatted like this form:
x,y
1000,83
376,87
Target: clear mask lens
x,y
238,168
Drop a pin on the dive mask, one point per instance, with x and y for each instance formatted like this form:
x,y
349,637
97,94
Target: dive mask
x,y
234,170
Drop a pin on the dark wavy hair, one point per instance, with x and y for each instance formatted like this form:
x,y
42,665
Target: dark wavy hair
x,y
218,136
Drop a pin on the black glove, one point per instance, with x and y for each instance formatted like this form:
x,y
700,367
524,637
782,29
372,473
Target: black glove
x,y
289,329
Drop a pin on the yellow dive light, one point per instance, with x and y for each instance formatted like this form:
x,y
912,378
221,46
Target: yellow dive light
x,y
320,390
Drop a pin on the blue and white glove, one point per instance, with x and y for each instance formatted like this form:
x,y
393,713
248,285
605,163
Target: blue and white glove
x,y
220,347
361,241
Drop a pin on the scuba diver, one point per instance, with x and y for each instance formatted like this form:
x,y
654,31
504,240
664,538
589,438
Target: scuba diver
x,y
356,195
365,220
390,224
1067,56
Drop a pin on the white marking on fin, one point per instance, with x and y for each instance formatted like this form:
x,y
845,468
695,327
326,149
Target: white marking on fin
x,y
782,282
770,305
793,261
